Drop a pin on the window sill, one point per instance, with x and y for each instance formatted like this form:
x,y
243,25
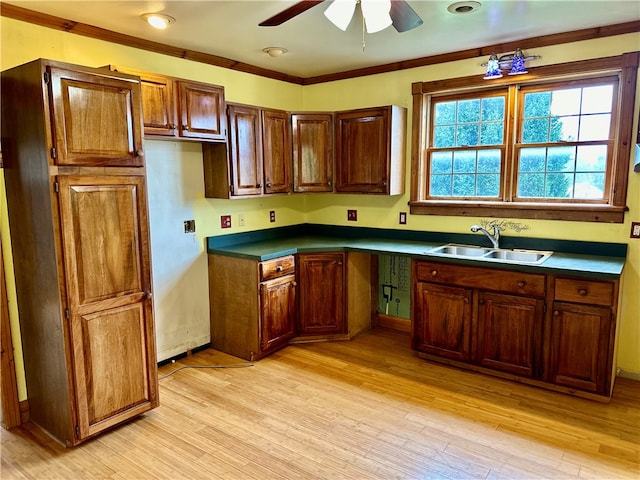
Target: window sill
x,y
540,211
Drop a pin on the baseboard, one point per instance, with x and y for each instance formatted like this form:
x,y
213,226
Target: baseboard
x,y
628,374
191,351
25,416
394,323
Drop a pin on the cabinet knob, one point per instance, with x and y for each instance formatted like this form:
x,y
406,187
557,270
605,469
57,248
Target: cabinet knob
x,y
185,127
582,291
481,301
139,153
521,283
434,273
268,185
279,268
171,126
148,295
259,185
556,313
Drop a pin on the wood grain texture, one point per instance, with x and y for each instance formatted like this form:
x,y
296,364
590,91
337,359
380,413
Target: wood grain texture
x,y
365,409
313,152
10,404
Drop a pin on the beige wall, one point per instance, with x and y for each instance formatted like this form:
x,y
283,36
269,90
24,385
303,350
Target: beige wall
x,y
22,42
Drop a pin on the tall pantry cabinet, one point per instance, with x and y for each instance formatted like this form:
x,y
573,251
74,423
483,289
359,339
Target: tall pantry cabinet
x,y
77,203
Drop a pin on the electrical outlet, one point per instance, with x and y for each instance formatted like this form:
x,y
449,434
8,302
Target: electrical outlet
x,y
189,226
402,218
272,216
241,220
225,221
635,229
352,215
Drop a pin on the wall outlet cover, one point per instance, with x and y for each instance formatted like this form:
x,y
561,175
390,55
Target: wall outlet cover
x,y
241,220
352,215
272,216
402,218
225,221
635,230
189,226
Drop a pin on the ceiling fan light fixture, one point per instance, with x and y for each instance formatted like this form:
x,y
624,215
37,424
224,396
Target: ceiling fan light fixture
x,y
376,14
158,20
464,7
340,13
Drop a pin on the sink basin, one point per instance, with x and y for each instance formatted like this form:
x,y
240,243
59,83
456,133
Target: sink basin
x,y
492,254
461,250
521,256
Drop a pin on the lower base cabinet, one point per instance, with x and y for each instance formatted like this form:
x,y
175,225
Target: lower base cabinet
x,y
497,321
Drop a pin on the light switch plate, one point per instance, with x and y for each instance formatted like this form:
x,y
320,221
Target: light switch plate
x,y
402,218
352,215
635,230
225,221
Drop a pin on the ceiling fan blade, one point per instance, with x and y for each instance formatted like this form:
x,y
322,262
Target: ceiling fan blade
x,y
403,16
289,13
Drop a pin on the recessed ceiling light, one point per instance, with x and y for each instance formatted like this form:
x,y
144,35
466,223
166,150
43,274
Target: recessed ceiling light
x,y
274,51
158,20
463,7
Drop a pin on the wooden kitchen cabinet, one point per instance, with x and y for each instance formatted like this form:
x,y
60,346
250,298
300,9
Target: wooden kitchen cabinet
x,y
256,159
581,334
313,152
180,109
253,305
480,316
80,245
442,323
322,294
370,150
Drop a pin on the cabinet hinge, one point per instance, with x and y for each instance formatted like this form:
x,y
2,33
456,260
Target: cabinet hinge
x,y
53,152
231,189
544,307
66,313
46,77
56,187
77,431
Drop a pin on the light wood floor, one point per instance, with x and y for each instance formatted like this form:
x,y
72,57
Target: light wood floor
x,y
365,409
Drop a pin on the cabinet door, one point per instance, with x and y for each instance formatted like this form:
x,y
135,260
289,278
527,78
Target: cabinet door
x,y
201,110
245,150
276,140
581,346
98,119
277,312
442,320
312,152
509,328
158,105
107,262
321,294
362,151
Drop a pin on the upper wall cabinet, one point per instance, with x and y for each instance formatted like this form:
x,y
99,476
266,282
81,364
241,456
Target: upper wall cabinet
x,y
312,152
255,160
179,108
370,150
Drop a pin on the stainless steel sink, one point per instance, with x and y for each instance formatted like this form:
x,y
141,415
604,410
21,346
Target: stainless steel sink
x,y
503,255
461,250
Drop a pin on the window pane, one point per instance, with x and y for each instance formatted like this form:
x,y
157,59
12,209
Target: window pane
x,y
464,162
589,186
445,113
591,158
594,127
492,133
489,161
537,104
566,102
492,109
488,185
597,99
535,131
441,162
464,185
444,136
440,185
558,185
468,111
561,159
564,128
467,135
532,160
531,185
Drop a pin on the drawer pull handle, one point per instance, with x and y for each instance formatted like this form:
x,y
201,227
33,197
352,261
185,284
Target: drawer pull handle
x,y
279,268
521,283
434,273
582,291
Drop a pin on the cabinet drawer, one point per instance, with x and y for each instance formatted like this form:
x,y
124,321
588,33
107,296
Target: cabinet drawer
x,y
584,291
482,278
277,267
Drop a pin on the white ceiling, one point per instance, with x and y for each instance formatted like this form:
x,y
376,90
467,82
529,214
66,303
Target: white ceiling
x,y
316,47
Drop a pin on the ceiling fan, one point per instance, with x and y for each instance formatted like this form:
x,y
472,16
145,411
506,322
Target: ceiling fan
x,y
340,12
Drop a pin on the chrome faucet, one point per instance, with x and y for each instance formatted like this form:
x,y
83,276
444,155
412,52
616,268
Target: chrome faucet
x,y
495,237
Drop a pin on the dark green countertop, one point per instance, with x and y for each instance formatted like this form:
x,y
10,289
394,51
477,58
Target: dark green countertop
x,y
270,244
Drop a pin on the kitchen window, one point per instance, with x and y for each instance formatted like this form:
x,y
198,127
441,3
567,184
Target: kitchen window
x,y
552,145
